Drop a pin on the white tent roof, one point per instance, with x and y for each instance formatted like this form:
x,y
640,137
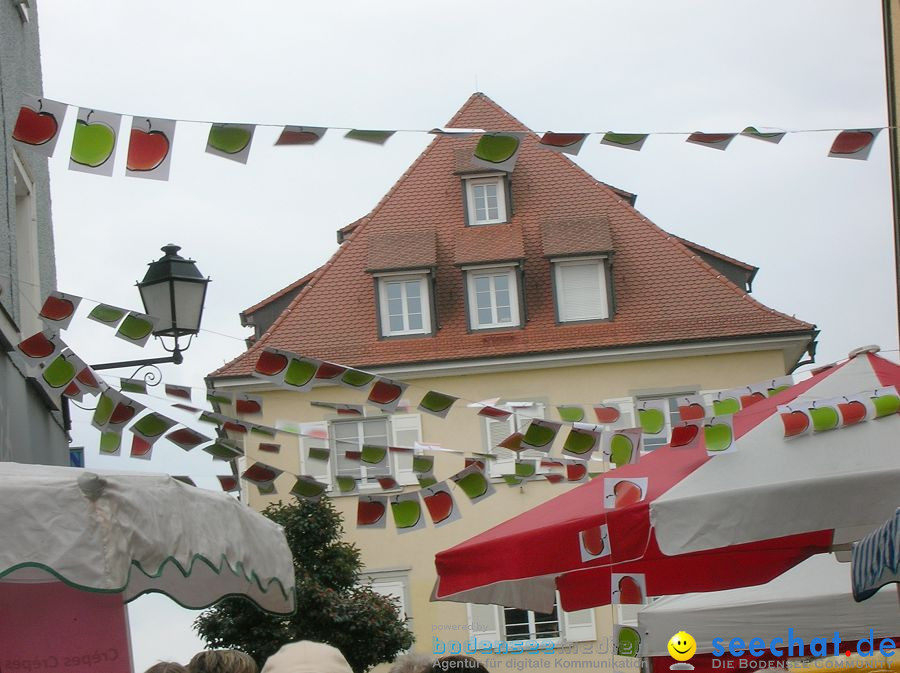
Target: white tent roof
x,y
769,486
135,532
813,598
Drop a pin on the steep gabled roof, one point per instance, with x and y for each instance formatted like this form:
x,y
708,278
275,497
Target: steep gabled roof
x,y
664,292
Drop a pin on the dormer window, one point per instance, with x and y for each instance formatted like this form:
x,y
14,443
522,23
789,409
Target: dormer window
x,y
581,288
486,201
404,304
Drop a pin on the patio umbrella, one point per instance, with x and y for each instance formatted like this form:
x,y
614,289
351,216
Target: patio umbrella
x,y
876,560
813,598
790,495
134,533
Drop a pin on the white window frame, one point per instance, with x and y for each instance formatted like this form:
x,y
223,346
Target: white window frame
x,y
425,298
495,632
393,582
559,265
28,272
517,422
672,415
475,180
367,477
512,275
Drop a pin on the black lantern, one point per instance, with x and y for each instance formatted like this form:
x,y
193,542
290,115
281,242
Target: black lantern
x,y
173,291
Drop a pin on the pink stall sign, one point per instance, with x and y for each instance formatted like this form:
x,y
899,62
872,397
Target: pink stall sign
x,y
53,628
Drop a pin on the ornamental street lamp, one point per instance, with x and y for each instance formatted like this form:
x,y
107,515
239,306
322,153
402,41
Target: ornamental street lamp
x,y
173,291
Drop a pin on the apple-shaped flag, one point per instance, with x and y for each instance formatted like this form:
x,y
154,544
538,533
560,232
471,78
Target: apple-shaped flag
x,y
35,127
300,135
357,379
751,398
140,447
886,405
373,455
630,591
631,141
247,406
146,150
628,641
607,413
260,473
580,442
652,420
593,540
576,471
852,412
59,309
726,405
540,434
795,422
370,511
824,418
104,409
152,425
496,148
38,346
407,512
621,449
718,434
684,435
627,493
106,314
93,143
439,504
307,487
493,412
328,371
691,412
437,403
571,413
474,484
229,483
110,442
570,143
124,412
300,372
186,438
59,373
271,363
229,139
386,393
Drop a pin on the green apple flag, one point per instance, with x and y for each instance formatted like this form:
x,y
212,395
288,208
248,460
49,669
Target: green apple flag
x,y
718,433
406,510
94,142
437,404
230,141
369,136
628,141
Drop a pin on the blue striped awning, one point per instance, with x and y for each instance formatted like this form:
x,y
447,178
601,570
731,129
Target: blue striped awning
x,y
876,559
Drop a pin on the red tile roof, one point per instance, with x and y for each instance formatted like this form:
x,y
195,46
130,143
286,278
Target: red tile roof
x,y
664,292
403,250
489,243
578,236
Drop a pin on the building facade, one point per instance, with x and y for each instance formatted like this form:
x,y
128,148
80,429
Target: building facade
x,y
32,427
537,285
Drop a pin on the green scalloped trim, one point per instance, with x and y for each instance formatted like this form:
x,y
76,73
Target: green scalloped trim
x,y
237,570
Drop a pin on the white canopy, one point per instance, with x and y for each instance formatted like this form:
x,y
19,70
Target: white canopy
x,y
135,532
813,598
769,486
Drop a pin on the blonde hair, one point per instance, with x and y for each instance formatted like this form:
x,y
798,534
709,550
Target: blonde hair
x,y
166,667
222,661
412,663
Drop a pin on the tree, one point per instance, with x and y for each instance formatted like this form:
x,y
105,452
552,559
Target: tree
x,y
332,605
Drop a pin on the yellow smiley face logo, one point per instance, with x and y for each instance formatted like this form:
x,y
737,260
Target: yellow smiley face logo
x,y
682,646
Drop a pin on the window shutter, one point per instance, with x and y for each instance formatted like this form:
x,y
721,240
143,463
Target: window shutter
x,y
484,624
392,589
524,414
496,431
320,469
582,291
579,626
245,485
406,430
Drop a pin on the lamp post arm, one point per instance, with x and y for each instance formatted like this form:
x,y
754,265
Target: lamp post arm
x,y
176,358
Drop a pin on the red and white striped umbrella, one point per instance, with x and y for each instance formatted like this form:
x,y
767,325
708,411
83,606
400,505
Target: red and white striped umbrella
x,y
736,519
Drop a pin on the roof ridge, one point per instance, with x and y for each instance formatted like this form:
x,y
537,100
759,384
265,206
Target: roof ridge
x,y
711,251
279,293
479,96
327,265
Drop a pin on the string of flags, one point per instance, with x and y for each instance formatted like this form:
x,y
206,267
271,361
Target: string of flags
x,y
705,423
151,140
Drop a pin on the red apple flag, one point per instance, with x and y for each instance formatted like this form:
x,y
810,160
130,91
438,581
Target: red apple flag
x,y
567,143
40,347
181,392
440,504
94,142
371,511
628,589
260,473
38,123
150,148
854,144
594,543
229,483
717,141
59,309
300,135
386,393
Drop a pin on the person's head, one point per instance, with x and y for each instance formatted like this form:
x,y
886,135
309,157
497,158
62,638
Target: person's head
x,y
412,663
222,661
166,667
307,657
458,663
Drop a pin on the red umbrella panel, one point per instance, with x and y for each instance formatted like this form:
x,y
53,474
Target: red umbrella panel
x,y
582,543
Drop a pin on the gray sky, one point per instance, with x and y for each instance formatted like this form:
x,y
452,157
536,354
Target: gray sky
x,y
818,228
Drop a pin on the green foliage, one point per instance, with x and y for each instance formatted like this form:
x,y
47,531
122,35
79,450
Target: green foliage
x,y
332,606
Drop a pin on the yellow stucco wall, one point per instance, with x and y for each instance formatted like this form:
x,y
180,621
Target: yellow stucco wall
x,y
463,429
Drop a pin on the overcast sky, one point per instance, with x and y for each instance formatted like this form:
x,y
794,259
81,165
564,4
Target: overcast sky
x,y
818,228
